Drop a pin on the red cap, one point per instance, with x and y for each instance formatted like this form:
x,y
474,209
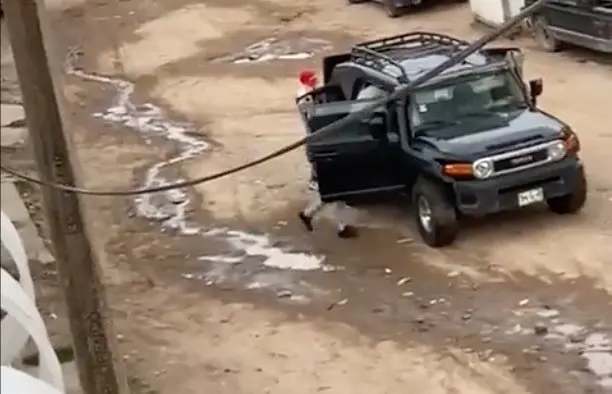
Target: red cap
x,y
308,78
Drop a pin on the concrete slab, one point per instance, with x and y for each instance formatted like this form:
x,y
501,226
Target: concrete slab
x,y
13,206
7,178
6,58
13,136
34,245
10,113
71,377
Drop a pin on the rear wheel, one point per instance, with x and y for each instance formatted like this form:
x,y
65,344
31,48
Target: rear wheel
x,y
436,217
543,37
393,11
570,203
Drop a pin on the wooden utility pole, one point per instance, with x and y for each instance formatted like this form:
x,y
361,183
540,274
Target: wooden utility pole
x,y
76,262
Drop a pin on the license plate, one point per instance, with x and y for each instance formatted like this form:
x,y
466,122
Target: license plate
x,y
530,197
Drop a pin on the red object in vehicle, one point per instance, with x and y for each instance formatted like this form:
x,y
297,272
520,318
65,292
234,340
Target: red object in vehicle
x,y
308,81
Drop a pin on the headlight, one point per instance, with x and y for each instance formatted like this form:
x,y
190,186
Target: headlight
x,y
571,141
483,168
557,151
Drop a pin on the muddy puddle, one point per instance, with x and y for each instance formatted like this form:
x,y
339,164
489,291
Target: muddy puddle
x,y
253,258
277,48
555,337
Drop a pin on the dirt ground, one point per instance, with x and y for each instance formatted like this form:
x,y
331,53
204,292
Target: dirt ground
x,y
219,289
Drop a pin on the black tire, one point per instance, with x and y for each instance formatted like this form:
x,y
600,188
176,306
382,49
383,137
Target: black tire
x,y
543,37
570,203
443,225
356,1
392,10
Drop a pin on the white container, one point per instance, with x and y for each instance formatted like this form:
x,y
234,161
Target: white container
x,y
495,12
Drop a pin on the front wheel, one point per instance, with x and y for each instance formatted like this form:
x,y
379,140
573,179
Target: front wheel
x,y
393,11
543,36
570,203
435,215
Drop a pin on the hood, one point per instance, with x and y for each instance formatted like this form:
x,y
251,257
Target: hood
x,y
501,132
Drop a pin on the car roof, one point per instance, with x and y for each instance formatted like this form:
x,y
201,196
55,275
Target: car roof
x,y
414,67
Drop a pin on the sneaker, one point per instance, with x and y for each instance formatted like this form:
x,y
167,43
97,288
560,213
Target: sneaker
x,y
348,232
306,221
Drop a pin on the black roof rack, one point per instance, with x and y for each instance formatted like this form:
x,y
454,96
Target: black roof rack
x,y
414,40
371,53
372,59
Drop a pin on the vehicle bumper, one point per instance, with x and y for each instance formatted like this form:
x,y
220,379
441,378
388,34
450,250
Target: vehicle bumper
x,y
481,197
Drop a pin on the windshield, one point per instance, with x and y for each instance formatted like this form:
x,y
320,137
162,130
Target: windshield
x,y
476,97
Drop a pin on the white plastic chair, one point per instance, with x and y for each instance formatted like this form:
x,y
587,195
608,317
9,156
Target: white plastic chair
x,y
23,321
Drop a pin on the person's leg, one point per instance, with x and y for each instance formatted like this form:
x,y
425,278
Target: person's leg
x,y
308,213
313,183
340,219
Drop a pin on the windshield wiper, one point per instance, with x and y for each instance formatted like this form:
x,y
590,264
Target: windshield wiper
x,y
484,113
431,125
492,110
437,123
510,105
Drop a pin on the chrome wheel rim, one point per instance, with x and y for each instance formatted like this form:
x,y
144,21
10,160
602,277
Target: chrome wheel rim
x,y
425,215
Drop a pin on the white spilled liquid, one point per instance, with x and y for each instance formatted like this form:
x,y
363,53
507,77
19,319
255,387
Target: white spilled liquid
x,y
169,208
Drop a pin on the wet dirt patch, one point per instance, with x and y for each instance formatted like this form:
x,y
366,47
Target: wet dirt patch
x,y
169,208
275,48
557,332
389,294
593,346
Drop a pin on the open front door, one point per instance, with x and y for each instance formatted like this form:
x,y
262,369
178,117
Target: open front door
x,y
357,159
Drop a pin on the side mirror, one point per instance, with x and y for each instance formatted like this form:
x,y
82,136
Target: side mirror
x,y
536,86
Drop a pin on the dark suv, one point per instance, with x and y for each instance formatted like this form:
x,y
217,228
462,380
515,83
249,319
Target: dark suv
x,y
586,23
469,141
396,8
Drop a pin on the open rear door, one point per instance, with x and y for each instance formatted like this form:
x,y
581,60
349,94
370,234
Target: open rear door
x,y
330,62
354,160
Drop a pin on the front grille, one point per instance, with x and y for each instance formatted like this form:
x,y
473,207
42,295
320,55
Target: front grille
x,y
528,159
521,159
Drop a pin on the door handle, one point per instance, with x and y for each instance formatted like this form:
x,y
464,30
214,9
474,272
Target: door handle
x,y
326,154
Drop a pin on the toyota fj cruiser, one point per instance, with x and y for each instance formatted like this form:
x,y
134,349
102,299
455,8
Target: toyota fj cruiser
x,y
470,141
